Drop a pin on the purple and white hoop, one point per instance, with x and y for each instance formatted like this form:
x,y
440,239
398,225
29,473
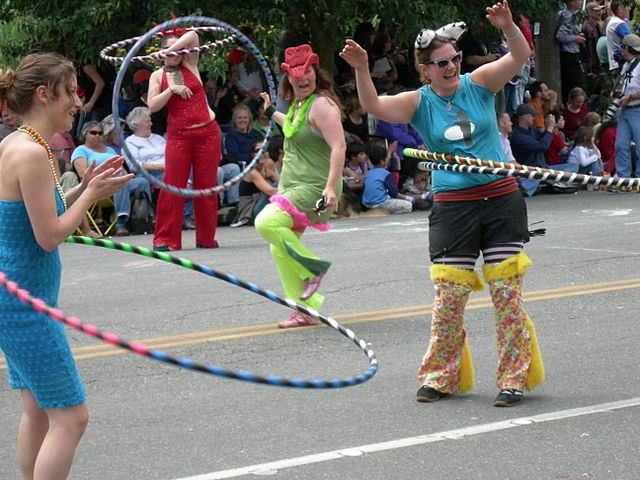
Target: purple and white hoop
x,y
105,53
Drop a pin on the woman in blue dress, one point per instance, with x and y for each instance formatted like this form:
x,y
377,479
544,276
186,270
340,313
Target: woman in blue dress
x,y
36,218
471,214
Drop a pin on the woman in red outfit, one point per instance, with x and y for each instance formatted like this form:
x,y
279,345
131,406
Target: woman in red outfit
x,y
574,112
193,145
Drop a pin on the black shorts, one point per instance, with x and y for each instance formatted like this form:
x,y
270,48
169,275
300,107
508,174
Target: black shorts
x,y
468,227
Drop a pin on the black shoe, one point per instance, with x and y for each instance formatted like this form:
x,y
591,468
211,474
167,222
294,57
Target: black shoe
x,y
428,394
508,397
215,245
122,232
161,247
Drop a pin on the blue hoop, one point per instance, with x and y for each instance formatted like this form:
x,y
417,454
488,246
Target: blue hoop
x,y
197,20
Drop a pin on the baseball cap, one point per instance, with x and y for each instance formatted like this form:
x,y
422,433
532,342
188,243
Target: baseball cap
x,y
525,108
632,40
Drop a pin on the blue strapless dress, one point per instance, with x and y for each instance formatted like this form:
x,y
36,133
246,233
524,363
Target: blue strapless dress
x,y
35,347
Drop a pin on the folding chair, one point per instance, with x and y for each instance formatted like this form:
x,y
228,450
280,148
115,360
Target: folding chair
x,y
96,216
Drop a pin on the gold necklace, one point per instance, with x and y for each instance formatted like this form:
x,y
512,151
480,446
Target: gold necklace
x,y
33,133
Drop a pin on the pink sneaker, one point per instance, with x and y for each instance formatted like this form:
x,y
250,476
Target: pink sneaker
x,y
310,285
296,319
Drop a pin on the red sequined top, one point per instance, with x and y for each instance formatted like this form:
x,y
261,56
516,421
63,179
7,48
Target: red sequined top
x,y
183,113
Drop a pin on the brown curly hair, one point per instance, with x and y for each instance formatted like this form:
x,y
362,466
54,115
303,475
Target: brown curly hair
x,y
324,87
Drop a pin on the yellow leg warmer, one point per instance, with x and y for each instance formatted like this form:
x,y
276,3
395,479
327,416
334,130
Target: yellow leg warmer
x,y
447,366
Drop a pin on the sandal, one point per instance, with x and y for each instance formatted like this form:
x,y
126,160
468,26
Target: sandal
x,y
296,319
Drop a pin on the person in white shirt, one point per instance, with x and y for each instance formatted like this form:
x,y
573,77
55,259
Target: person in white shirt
x,y
629,112
616,29
505,126
146,148
585,153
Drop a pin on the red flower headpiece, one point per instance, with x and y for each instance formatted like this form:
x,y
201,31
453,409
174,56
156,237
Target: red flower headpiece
x,y
175,31
298,59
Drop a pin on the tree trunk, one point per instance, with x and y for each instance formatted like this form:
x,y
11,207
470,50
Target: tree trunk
x,y
548,54
323,43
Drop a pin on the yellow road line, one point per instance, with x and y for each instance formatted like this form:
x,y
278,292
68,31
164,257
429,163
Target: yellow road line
x,y
346,319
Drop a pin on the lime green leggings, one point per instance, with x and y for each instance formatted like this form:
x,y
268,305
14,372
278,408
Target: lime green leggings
x,y
293,261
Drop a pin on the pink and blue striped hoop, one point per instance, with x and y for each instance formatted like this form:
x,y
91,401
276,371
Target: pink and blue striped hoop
x,y
58,315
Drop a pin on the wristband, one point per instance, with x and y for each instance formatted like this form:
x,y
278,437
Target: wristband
x,y
517,34
270,111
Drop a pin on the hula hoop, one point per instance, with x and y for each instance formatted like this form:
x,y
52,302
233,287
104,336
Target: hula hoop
x,y
458,163
58,315
105,52
238,35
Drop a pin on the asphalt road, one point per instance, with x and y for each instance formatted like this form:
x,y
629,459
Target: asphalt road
x,y
154,421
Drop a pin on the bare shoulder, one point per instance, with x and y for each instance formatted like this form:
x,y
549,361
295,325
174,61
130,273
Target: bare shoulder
x,y
20,159
16,151
324,104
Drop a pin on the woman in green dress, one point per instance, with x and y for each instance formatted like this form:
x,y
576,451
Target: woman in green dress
x,y
314,153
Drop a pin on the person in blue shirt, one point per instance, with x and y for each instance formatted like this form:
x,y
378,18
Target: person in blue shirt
x,y
93,150
379,190
471,213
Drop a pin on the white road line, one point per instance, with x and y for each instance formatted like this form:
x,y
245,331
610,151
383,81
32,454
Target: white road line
x,y
271,468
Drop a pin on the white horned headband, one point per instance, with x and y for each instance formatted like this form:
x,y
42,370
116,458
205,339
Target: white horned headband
x,y
451,31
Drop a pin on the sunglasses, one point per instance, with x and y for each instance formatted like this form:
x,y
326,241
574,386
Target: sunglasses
x,y
93,132
443,63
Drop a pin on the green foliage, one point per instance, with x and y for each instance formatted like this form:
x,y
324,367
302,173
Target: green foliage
x,y
15,41
82,29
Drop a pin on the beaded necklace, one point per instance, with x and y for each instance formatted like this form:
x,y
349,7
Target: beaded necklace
x,y
289,129
33,133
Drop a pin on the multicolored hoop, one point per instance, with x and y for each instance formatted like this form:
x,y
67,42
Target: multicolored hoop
x,y
238,35
105,52
458,163
139,349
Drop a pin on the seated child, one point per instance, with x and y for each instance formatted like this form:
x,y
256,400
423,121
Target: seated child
x,y
379,190
585,153
355,166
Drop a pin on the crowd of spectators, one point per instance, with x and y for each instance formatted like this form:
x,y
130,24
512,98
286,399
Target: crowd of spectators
x,y
588,127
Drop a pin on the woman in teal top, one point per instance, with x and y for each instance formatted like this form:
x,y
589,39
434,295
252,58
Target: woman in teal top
x,y
36,218
472,213
314,152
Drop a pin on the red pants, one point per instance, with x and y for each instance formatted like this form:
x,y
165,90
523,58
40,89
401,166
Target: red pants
x,y
197,150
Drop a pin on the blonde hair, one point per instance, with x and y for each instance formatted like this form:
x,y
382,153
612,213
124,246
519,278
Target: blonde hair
x,y
591,119
37,69
549,101
234,116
